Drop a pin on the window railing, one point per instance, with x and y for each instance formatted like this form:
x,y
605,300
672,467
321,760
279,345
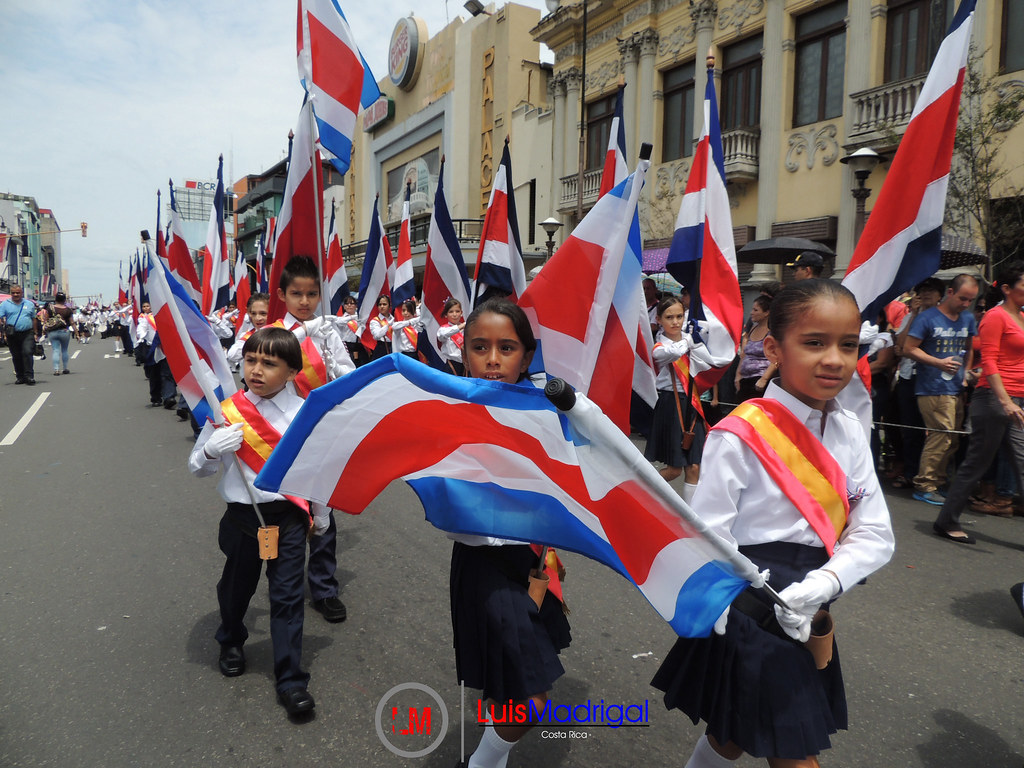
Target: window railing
x,y
884,109
741,147
591,188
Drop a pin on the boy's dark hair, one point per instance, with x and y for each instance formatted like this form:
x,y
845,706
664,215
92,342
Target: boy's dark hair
x,y
257,297
276,342
931,284
60,298
960,281
513,312
792,300
298,266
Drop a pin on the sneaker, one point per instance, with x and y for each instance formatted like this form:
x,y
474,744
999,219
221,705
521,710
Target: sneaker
x,y
932,497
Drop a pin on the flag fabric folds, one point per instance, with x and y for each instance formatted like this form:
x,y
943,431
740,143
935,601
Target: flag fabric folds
x,y
586,304
262,284
122,294
444,276
373,283
702,256
179,257
301,216
334,74
336,276
615,168
403,286
513,467
194,353
499,262
243,289
216,289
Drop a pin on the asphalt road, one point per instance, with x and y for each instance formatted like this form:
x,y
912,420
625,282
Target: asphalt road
x,y
109,560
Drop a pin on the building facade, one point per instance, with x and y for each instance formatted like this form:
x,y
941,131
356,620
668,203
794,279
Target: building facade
x,y
30,256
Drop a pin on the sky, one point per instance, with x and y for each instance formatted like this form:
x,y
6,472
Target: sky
x,y
105,100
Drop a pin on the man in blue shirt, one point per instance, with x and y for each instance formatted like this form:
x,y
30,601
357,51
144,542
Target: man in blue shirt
x,y
940,342
18,316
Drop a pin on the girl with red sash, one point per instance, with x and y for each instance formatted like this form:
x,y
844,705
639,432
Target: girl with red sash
x,y
450,338
257,311
406,330
351,331
789,479
380,328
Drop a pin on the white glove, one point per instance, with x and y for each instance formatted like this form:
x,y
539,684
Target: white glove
x,y
321,523
804,599
722,621
223,440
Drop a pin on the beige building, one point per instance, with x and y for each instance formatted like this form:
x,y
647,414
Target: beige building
x,y
800,84
456,95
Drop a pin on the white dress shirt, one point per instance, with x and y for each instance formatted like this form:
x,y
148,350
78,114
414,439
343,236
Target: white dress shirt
x,y
738,498
323,333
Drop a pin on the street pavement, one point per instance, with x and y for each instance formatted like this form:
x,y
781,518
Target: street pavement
x,y
109,562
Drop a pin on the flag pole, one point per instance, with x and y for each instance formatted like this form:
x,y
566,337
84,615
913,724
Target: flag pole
x,y
317,168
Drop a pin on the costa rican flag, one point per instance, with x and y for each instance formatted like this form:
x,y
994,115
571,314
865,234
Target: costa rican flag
x,y
494,459
444,276
587,303
615,168
702,256
122,294
403,286
373,283
499,262
179,257
334,74
301,216
44,284
194,353
262,284
216,270
243,289
337,277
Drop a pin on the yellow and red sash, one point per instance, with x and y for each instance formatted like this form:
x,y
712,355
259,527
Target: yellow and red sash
x,y
682,368
353,325
798,463
259,438
411,334
314,369
459,339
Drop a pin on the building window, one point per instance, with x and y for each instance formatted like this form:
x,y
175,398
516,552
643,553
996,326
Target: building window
x,y
677,127
1011,55
913,32
600,114
741,84
820,60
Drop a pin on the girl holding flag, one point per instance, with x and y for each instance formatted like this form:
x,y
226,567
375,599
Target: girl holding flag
x,y
789,479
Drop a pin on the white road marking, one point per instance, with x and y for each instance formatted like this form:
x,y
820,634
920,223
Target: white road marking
x,y
77,353
15,433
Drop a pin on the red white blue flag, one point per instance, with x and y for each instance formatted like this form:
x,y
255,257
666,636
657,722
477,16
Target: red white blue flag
x,y
216,270
334,74
194,353
122,294
262,284
902,241
615,168
373,282
499,262
494,459
403,285
337,276
179,257
587,302
243,288
702,256
444,276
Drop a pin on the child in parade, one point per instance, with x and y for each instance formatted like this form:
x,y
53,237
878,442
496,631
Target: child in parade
x,y
752,682
504,645
380,328
351,331
162,390
271,359
407,330
677,405
257,308
324,357
450,336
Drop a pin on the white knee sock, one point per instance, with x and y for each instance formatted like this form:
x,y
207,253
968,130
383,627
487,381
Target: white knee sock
x,y
705,757
688,490
492,752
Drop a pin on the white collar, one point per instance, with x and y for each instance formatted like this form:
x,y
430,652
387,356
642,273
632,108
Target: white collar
x,y
798,408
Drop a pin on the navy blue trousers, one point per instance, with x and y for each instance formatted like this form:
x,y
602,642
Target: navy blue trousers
x,y
323,562
241,576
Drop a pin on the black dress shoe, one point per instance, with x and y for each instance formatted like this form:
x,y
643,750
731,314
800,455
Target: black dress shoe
x,y
296,701
30,382
232,660
332,608
170,402
19,381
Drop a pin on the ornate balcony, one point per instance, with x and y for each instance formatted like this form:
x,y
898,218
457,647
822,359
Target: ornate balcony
x,y
881,114
741,147
591,186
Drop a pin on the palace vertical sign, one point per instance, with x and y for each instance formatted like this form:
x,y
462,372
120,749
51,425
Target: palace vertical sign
x,y
487,131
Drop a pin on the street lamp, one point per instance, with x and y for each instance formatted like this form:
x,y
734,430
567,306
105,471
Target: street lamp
x,y
550,225
862,163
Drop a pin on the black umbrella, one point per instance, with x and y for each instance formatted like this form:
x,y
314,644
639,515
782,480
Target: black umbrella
x,y
960,252
779,250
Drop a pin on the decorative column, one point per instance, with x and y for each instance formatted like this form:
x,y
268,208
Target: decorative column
x,y
556,88
571,135
629,50
648,47
703,13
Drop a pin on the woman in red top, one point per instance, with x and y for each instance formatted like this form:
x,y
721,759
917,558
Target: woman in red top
x,y
996,415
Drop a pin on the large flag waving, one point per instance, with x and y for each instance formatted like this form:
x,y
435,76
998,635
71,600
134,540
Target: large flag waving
x,y
444,276
373,283
301,216
179,257
194,353
122,294
494,459
615,168
901,242
337,276
403,286
702,256
334,74
242,288
585,303
216,270
499,262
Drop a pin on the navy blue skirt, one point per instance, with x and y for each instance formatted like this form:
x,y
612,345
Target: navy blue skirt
x,y
664,444
504,646
753,688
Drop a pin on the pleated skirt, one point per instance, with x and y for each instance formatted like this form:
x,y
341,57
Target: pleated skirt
x,y
504,645
664,444
753,688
